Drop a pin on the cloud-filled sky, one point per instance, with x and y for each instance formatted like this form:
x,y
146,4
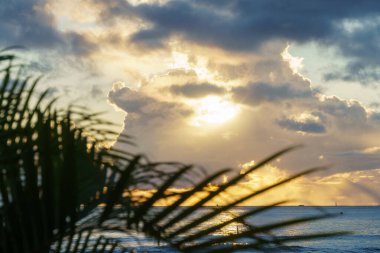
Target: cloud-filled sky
x,y
221,82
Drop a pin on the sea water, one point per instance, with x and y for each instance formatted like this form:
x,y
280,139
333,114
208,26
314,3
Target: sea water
x,y
362,222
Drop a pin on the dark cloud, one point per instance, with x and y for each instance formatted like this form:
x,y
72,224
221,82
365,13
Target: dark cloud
x,y
77,44
355,158
247,24
96,91
150,38
356,71
347,114
131,101
358,41
239,25
192,90
27,24
308,126
229,72
257,93
375,117
143,109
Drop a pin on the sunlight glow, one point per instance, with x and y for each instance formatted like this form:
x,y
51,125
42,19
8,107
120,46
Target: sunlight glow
x,y
214,110
305,117
202,70
268,175
179,60
199,65
295,62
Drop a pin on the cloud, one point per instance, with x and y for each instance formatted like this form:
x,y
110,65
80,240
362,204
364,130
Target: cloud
x,y
28,24
274,109
143,109
346,114
237,26
304,127
192,90
245,25
257,93
356,71
173,53
248,25
371,156
375,117
329,126
362,51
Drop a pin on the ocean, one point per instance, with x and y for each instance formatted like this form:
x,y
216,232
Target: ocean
x,y
362,221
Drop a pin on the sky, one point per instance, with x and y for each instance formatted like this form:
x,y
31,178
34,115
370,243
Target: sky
x,y
222,83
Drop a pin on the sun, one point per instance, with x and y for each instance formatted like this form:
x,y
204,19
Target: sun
x,y
213,110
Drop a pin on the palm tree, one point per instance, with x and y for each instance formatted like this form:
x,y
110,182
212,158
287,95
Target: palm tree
x,y
55,172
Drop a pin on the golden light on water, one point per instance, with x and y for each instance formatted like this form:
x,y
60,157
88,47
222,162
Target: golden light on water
x,y
213,110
